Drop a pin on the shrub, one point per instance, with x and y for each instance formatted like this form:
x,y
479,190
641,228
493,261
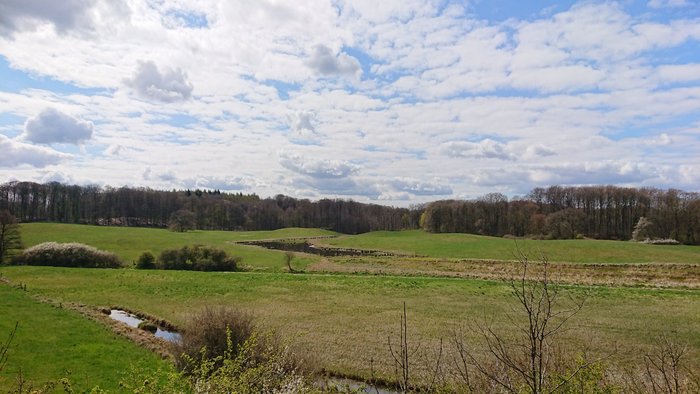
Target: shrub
x,y
67,255
220,351
197,258
146,261
207,334
668,241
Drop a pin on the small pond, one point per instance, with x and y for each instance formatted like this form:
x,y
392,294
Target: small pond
x,y
133,321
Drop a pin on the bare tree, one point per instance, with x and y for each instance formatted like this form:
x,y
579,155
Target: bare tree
x,y
403,354
10,239
528,358
664,369
288,257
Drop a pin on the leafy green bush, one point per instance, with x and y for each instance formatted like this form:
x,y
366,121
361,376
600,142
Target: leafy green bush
x,y
67,255
197,258
146,261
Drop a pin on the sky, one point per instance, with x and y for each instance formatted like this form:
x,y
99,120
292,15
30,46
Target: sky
x,y
390,102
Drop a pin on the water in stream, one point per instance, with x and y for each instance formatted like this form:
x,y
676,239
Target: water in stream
x,y
133,321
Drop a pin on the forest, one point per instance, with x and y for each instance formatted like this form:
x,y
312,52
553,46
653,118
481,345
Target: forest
x,y
557,212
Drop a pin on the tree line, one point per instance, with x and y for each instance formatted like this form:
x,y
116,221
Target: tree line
x,y
602,212
212,209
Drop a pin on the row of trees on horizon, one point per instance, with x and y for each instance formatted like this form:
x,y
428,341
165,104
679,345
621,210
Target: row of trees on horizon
x,y
604,212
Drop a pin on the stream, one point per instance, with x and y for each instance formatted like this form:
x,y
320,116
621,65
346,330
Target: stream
x,y
133,321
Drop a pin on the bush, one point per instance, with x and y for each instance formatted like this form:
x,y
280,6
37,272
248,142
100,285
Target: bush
x,y
660,241
197,258
204,334
67,255
146,261
220,351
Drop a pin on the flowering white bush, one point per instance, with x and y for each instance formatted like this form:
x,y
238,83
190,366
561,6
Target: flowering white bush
x,y
660,241
68,255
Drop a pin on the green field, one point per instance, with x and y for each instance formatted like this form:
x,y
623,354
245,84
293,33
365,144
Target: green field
x,y
130,242
52,343
492,248
344,319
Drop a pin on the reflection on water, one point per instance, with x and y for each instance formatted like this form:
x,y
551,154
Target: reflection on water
x,y
133,321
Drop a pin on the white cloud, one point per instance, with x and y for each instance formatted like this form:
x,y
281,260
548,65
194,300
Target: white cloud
x,y
226,183
65,15
15,153
338,186
679,72
168,86
538,150
420,188
662,139
114,150
324,62
167,176
486,149
301,122
593,83
53,126
57,176
315,168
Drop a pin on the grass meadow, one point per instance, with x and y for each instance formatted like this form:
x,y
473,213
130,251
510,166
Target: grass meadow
x,y
129,242
52,343
345,320
342,320
469,246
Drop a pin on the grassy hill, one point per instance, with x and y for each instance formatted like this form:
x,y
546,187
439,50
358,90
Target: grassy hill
x,y
129,242
493,248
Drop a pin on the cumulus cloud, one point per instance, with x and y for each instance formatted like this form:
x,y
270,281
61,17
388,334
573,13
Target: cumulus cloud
x,y
168,176
57,176
538,150
114,150
679,72
338,186
662,139
53,126
64,15
220,183
605,172
15,153
324,62
390,196
321,169
301,122
484,149
168,86
420,188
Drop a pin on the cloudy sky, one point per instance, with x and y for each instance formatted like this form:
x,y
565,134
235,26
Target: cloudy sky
x,y
394,102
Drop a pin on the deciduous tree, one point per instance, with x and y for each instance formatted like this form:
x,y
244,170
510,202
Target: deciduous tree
x,y
181,221
10,239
